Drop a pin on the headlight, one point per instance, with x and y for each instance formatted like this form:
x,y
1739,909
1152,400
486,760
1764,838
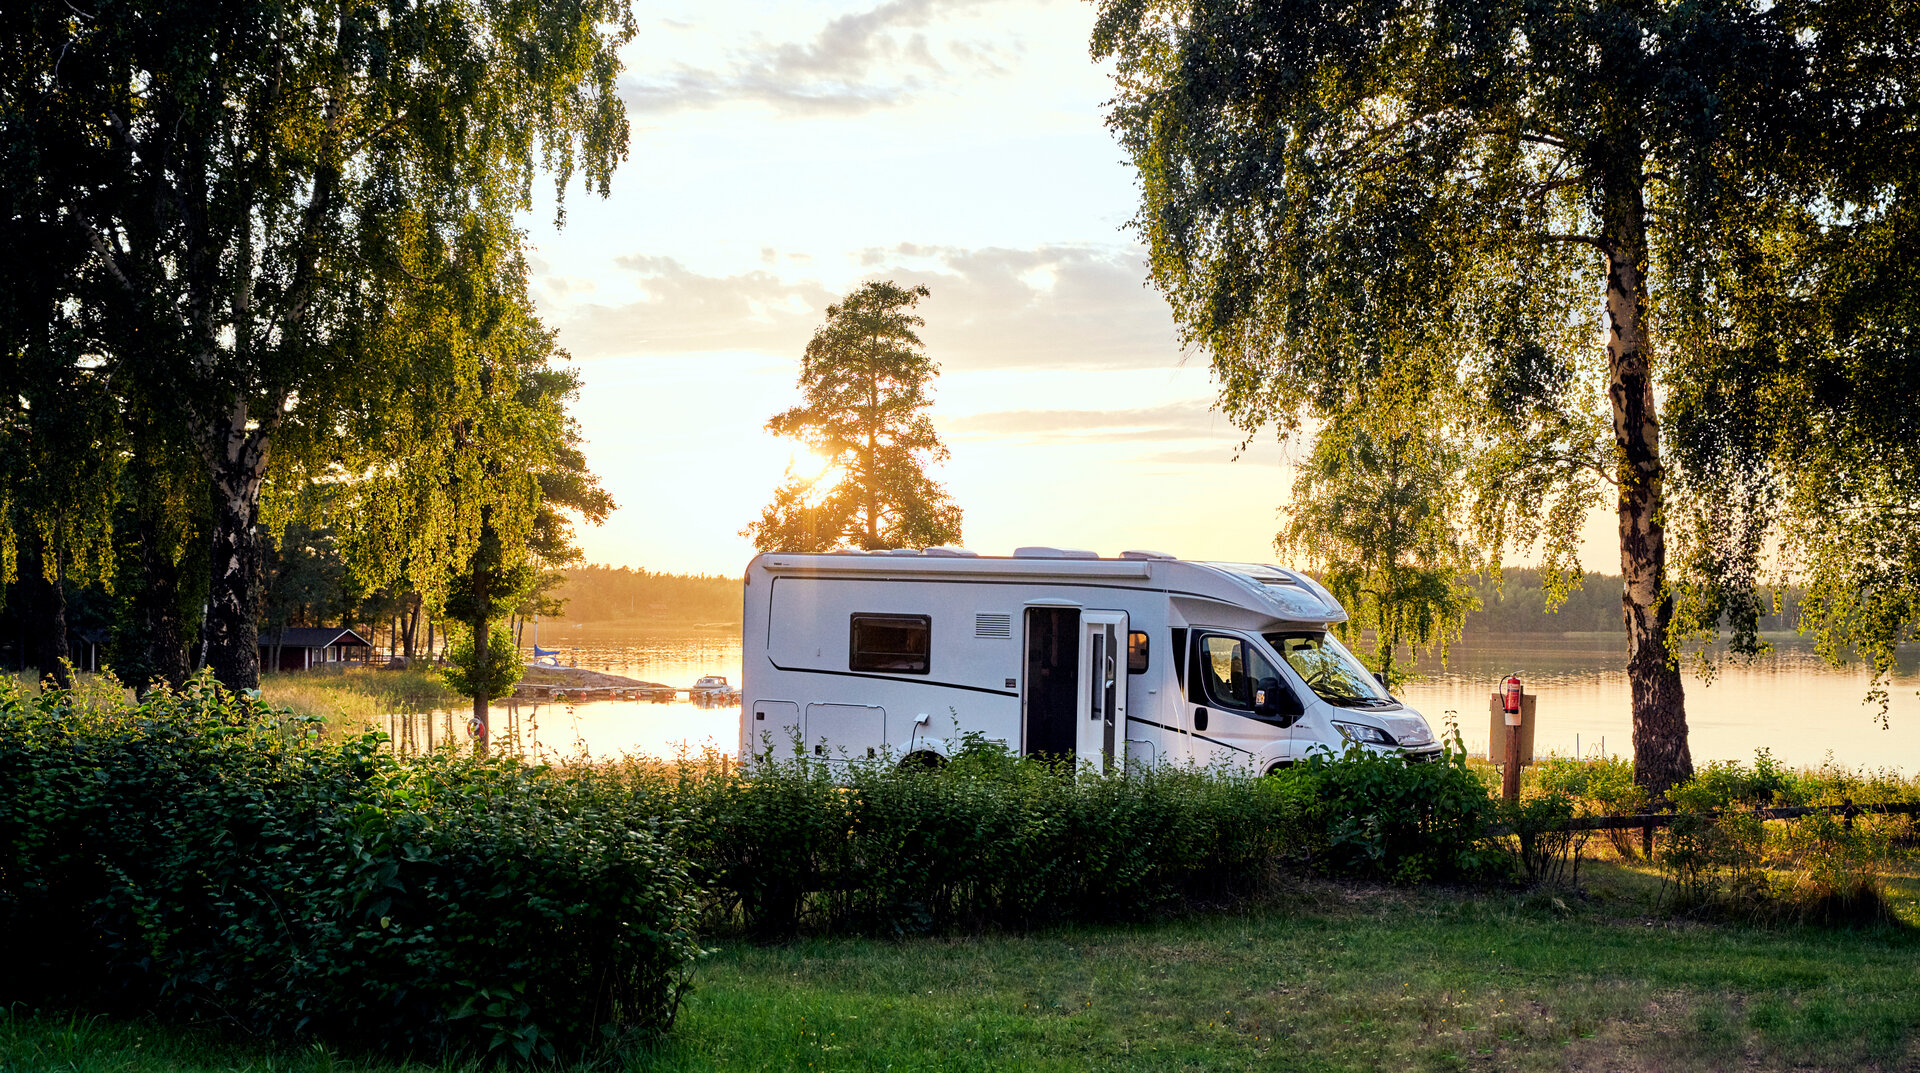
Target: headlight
x,y
1363,734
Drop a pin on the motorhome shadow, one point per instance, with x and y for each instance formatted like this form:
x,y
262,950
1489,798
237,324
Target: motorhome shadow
x,y
1138,660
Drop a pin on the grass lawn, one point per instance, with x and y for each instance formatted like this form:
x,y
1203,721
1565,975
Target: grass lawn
x,y
1335,977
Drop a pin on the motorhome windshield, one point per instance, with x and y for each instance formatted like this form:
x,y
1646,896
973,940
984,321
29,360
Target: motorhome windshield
x,y
1330,670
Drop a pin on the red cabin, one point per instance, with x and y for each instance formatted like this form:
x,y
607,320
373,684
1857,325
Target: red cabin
x,y
302,647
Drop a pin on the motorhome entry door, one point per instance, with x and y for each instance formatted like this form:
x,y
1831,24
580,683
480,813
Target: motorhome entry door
x,y
1101,708
1048,708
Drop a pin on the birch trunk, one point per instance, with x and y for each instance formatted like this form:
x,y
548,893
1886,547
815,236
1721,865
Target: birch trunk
x,y
53,654
161,644
481,715
413,628
237,466
1660,753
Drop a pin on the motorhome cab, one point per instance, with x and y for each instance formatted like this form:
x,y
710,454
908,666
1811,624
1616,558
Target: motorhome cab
x,y
1136,660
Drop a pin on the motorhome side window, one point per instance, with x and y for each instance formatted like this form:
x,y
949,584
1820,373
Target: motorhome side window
x,y
1230,671
1136,652
899,644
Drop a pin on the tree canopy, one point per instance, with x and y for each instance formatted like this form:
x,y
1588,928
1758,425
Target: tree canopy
x,y
1546,219
1373,509
864,383
248,182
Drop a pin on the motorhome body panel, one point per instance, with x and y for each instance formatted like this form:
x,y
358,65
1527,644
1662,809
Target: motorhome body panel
x,y
903,654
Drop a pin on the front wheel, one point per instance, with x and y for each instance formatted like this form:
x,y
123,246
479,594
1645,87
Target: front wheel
x,y
1279,767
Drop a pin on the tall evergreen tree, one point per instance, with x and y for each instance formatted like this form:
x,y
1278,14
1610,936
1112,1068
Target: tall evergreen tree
x,y
864,381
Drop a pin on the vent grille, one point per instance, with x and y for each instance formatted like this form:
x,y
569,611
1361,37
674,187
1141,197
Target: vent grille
x,y
993,625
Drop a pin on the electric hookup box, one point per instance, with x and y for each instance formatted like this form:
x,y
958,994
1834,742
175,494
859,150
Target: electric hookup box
x,y
1497,729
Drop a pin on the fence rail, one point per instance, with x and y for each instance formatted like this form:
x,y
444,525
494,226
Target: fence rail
x,y
1645,822
1648,820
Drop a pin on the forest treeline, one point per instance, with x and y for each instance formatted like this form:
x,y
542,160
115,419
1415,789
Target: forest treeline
x,y
1515,603
617,594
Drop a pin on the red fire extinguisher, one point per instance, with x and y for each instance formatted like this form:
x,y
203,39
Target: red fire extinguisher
x,y
1510,699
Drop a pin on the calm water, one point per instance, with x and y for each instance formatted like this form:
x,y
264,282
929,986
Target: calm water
x,y
608,728
1789,702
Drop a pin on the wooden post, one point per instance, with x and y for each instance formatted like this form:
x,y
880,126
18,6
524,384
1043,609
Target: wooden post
x,y
1510,778
1508,745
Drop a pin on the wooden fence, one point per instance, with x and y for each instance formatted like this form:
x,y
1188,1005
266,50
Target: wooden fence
x,y
1645,822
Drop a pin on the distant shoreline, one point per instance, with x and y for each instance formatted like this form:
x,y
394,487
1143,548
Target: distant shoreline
x,y
554,631
558,629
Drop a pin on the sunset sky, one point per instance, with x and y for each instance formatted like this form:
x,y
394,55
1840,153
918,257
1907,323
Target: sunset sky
x,y
782,154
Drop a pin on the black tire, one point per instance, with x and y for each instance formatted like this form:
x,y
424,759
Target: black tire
x,y
924,760
1279,767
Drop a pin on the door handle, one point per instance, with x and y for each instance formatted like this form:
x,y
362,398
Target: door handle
x,y
1199,719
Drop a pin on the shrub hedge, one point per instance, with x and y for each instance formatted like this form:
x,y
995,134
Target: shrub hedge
x,y
793,844
1382,817
200,855
197,855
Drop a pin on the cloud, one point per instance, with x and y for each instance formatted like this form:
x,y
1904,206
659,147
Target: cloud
x,y
1171,421
859,61
1076,307
1197,456
1054,306
686,312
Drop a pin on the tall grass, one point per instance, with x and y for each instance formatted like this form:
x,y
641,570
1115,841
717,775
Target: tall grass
x,y
349,699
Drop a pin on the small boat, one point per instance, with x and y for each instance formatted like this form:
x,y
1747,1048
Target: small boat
x,y
538,651
713,689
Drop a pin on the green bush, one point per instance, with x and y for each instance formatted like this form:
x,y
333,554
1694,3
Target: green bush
x,y
990,839
1601,786
1539,839
1721,858
1385,817
198,856
465,676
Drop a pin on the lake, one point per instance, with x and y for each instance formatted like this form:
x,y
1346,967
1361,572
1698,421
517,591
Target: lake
x,y
1789,701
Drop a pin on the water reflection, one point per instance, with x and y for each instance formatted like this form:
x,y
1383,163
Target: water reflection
x,y
607,728
1789,702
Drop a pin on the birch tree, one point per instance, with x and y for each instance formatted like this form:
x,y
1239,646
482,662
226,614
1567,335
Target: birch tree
x,y
1505,200
239,173
1374,508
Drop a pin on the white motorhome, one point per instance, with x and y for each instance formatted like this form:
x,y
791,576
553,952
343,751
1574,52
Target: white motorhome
x,y
1135,660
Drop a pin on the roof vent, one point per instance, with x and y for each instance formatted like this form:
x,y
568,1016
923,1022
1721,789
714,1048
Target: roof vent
x,y
1053,553
993,624
1145,555
951,553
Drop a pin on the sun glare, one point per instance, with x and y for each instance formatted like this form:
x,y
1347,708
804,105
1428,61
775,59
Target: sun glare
x,y
807,465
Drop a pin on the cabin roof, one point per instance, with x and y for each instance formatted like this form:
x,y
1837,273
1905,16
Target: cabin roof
x,y
313,637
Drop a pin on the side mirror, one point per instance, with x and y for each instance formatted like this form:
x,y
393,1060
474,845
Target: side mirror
x,y
1381,677
1273,699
